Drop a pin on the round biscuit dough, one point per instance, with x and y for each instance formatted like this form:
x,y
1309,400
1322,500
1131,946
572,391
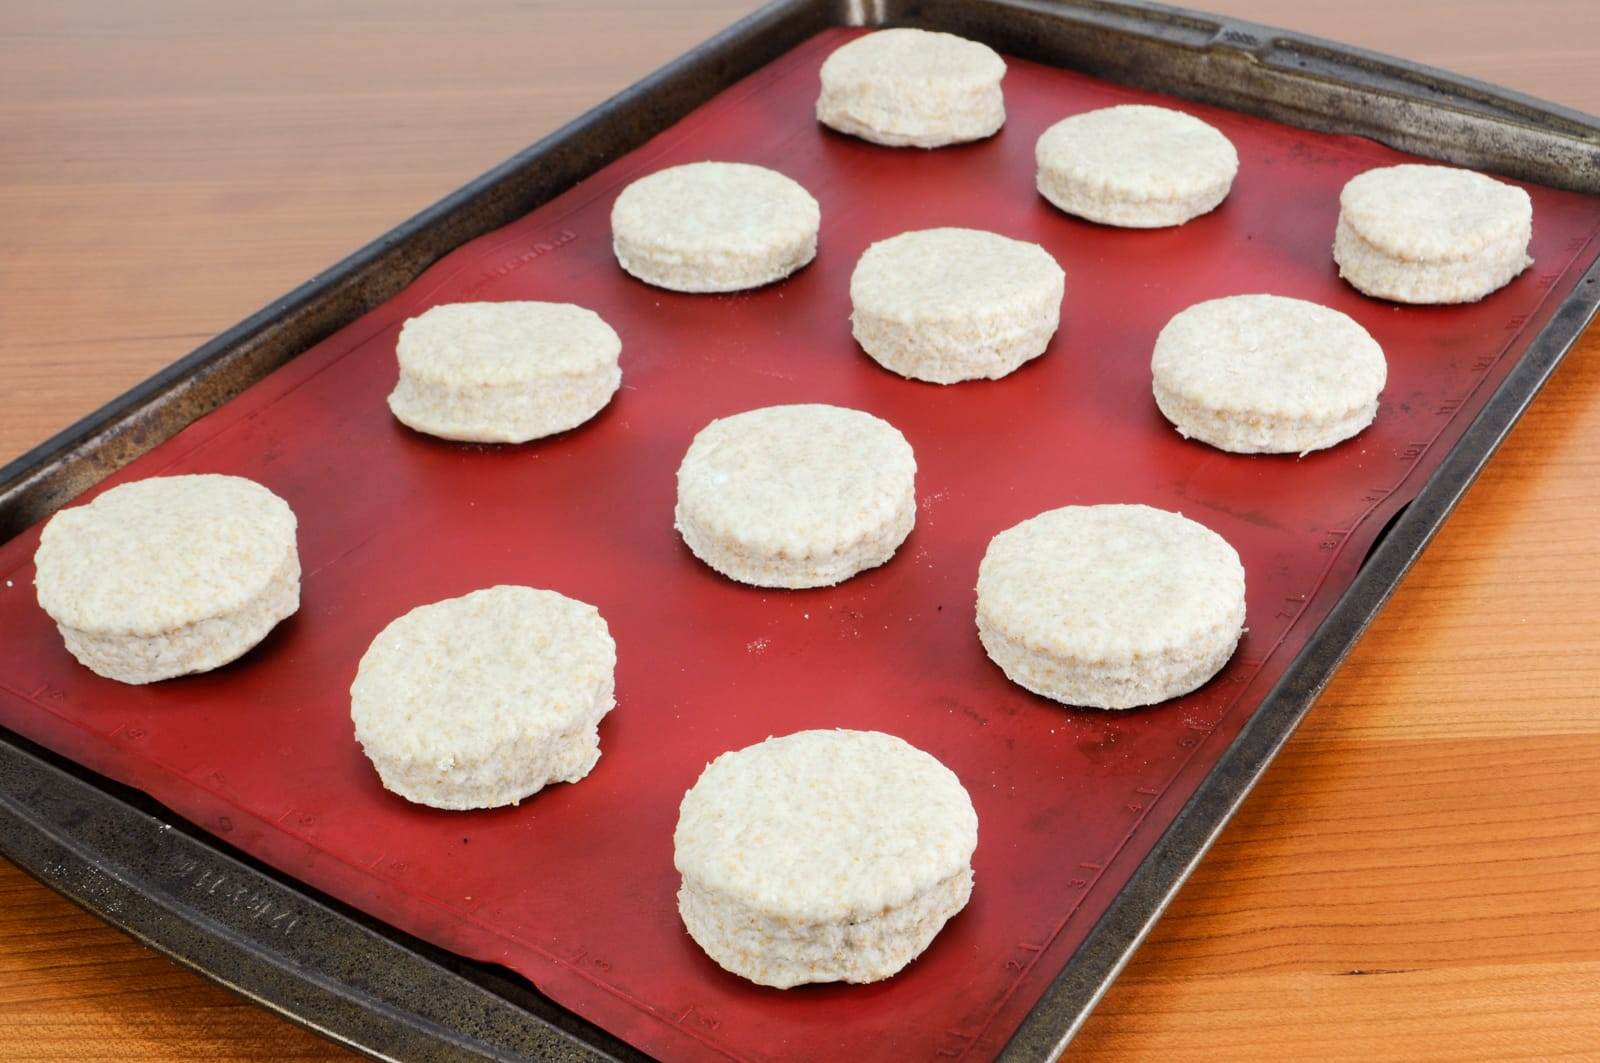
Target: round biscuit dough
x,y
1110,607
796,496
1431,234
946,305
169,575
504,372
1135,166
913,88
823,856
482,700
714,227
1266,374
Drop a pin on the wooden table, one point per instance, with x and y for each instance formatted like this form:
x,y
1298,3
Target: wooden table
x,y
1418,876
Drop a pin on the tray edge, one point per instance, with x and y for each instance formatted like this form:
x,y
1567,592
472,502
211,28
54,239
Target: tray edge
x,y
50,475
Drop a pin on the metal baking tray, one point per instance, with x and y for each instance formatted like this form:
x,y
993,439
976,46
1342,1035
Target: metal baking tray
x,y
355,978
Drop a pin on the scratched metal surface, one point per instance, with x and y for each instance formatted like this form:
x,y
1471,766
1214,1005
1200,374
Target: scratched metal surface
x,y
574,889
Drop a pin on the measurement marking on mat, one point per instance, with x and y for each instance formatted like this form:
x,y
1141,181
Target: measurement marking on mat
x,y
962,1039
1414,451
49,693
538,250
1517,322
1092,866
710,1022
1030,947
1448,407
1576,243
1485,363
1547,280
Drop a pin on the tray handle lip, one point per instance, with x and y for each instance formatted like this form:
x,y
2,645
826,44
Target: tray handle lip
x,y
1420,81
50,815
1266,43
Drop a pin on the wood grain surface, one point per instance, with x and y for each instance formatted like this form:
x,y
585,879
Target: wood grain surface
x,y
1418,877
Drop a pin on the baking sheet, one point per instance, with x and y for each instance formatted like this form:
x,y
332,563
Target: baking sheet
x,y
575,887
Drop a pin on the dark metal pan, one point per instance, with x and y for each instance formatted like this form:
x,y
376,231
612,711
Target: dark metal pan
x,y
364,984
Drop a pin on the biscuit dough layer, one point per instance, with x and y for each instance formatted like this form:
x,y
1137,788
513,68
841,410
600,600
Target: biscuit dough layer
x,y
823,856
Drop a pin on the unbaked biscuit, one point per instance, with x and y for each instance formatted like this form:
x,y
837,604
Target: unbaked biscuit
x,y
171,575
482,700
1110,607
714,227
504,372
1266,374
1135,166
945,305
796,496
823,856
910,87
1431,234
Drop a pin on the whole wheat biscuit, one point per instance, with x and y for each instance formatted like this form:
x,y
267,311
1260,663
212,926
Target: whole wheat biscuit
x,y
796,496
823,856
1431,234
1135,166
170,575
946,305
1266,374
1110,607
714,227
910,87
504,372
482,700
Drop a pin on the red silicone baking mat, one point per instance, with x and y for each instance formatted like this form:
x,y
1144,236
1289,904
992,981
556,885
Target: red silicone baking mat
x,y
575,888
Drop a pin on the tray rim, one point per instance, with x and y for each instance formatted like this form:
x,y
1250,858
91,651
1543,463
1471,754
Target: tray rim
x,y
390,1019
